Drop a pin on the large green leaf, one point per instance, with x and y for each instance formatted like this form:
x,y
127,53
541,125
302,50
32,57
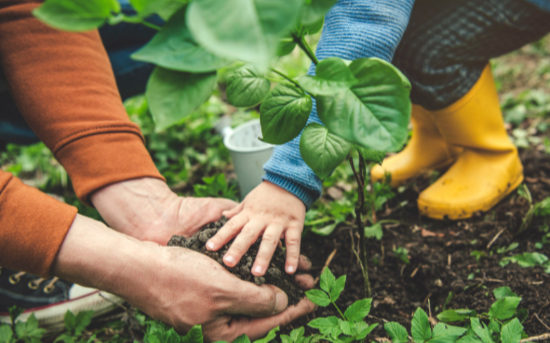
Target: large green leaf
x,y
76,15
327,280
6,334
504,291
511,332
164,8
504,308
321,150
331,75
284,113
481,330
358,310
397,332
315,10
443,333
193,336
375,112
246,30
318,297
420,326
324,324
246,87
371,155
174,48
339,285
271,335
173,95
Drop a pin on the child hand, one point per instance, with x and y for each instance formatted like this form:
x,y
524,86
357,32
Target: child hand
x,y
270,211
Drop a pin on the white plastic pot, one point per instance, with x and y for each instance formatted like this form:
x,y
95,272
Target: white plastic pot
x,y
248,153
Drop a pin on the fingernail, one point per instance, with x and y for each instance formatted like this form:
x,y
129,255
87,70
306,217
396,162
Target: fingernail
x,y
210,245
290,269
229,259
258,270
281,302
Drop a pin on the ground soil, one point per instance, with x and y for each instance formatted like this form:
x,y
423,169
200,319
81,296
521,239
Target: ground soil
x,y
274,275
440,258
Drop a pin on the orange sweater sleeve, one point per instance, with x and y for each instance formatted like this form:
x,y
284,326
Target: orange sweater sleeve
x,y
65,89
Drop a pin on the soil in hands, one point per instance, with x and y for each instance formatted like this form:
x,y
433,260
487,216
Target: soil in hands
x,y
441,260
275,274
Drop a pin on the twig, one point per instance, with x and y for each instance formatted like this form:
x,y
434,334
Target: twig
x,y
495,238
327,263
449,260
540,320
543,337
415,271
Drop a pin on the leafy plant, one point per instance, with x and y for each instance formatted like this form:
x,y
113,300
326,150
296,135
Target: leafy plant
x,y
216,186
351,325
541,209
75,325
402,254
20,331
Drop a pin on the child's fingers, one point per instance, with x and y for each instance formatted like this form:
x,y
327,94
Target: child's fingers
x,y
248,236
227,232
270,239
293,238
230,213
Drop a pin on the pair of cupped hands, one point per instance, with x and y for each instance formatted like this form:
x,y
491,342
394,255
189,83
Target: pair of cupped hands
x,y
181,287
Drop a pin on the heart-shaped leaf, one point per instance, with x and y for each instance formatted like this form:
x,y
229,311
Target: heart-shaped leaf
x,y
375,112
371,155
321,150
420,326
164,8
246,87
76,15
315,10
174,48
246,30
173,95
358,310
331,76
397,332
284,113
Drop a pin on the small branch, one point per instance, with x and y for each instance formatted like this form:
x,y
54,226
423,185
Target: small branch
x,y
280,73
543,337
306,48
540,320
327,263
495,238
134,20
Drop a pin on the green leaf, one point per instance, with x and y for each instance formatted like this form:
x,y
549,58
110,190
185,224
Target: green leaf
x,y
247,30
326,281
171,336
345,326
502,292
315,10
82,320
271,335
358,310
397,332
481,330
15,312
469,339
285,48
375,112
420,326
331,75
315,27
5,334
338,287
246,87
363,331
504,308
494,326
284,113
371,155
174,48
296,334
194,335
374,231
324,324
33,331
69,320
173,95
511,332
164,8
76,15
443,333
321,150
241,339
450,316
318,297
286,339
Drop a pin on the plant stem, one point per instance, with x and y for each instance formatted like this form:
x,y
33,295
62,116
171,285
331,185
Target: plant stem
x,y
301,41
280,73
359,221
338,309
133,20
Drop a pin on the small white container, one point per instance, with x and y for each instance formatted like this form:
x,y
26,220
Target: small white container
x,y
248,153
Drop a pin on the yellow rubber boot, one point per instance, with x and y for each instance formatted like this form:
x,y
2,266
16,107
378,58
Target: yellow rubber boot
x,y
425,152
489,167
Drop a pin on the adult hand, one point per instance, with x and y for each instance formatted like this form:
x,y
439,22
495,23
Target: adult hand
x,y
270,211
148,210
178,286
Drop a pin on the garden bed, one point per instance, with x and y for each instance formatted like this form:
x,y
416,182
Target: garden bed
x,y
441,260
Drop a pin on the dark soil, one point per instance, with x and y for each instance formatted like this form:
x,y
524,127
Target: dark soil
x,y
274,275
440,258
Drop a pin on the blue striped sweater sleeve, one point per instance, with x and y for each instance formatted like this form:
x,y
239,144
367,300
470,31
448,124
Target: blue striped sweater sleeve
x,y
352,29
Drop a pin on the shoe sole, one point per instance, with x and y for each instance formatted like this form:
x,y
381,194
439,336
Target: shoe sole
x,y
435,213
51,317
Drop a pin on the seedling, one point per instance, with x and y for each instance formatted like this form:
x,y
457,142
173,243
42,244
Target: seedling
x,y
215,186
541,209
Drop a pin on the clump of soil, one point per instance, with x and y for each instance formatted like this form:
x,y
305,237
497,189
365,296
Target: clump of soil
x,y
275,274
